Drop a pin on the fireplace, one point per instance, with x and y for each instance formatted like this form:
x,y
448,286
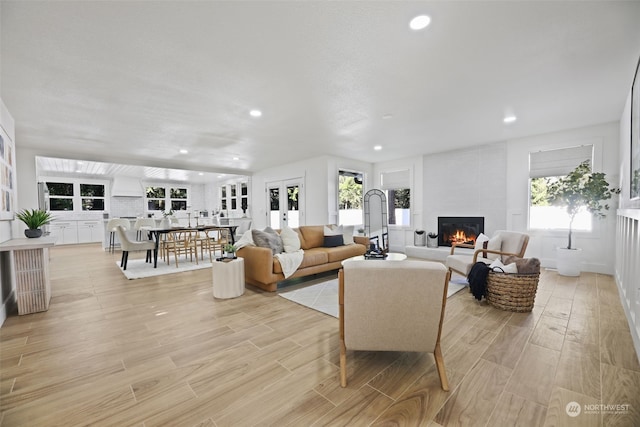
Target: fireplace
x,y
459,229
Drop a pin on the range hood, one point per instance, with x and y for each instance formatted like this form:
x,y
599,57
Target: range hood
x,y
124,186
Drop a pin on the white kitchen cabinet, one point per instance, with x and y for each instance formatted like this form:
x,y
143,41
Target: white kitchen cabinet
x,y
90,231
65,232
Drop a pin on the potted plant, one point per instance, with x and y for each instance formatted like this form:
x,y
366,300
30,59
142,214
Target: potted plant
x,y
229,250
581,188
34,219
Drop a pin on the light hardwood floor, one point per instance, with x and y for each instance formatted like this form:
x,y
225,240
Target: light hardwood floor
x,y
162,351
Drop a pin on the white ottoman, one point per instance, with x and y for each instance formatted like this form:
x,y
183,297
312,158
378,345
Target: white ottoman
x,y
228,278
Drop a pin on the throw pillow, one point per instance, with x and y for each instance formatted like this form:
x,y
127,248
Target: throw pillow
x,y
290,239
480,242
494,244
332,230
245,240
509,268
346,231
266,239
333,241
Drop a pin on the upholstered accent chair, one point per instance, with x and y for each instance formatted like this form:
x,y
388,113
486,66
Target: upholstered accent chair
x,y
392,306
501,245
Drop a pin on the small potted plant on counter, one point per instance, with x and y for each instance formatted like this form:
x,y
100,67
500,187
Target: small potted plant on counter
x,y
34,219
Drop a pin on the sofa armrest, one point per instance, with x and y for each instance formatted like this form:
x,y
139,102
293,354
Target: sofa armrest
x,y
258,263
363,240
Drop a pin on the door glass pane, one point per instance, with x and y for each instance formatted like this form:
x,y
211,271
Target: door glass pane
x,y
293,217
274,207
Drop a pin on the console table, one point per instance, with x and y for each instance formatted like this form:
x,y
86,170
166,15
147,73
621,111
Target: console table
x,y
29,260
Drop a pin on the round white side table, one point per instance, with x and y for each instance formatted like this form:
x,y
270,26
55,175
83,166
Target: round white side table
x,y
228,278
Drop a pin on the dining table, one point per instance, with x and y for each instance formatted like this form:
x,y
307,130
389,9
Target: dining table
x,y
156,232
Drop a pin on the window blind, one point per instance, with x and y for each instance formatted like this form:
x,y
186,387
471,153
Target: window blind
x,y
396,179
558,162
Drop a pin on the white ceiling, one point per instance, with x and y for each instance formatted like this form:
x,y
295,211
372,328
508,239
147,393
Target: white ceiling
x,y
134,82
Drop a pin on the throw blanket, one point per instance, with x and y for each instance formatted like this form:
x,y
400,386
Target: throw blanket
x,y
290,261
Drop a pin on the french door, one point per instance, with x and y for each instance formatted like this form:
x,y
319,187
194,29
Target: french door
x,y
285,203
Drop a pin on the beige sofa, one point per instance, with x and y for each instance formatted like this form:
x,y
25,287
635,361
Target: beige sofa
x,y
262,269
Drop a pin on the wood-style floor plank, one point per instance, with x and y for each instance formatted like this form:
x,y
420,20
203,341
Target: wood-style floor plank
x,y
163,351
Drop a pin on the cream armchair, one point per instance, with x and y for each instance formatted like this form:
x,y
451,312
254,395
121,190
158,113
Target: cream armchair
x,y
502,244
392,306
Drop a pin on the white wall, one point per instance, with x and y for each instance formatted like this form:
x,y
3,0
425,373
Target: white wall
x,y
468,182
320,180
6,227
627,271
597,245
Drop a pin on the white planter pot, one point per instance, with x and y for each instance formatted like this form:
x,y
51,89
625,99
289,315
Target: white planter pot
x,y
569,262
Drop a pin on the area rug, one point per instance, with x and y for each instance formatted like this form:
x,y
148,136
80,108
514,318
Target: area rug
x,y
138,269
323,296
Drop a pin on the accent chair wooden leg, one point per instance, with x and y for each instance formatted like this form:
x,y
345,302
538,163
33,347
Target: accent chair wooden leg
x,y
343,364
437,354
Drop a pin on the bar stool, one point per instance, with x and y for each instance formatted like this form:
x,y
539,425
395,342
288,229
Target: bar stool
x,y
112,227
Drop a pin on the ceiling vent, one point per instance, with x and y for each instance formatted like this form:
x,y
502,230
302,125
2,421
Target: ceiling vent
x,y
126,187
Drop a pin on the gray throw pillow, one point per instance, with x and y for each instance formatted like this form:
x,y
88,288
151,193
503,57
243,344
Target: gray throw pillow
x,y
266,239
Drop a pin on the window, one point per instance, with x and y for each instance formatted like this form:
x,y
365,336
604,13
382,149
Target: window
x,y
60,196
70,196
349,198
167,198
155,198
545,167
178,199
92,197
397,186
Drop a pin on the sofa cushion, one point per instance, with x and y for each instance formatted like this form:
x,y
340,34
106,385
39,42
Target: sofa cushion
x,y
345,230
341,253
312,257
313,236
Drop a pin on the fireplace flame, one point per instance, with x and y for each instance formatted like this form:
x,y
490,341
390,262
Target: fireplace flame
x,y
461,237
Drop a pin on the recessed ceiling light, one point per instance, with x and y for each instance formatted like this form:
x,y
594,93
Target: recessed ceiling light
x,y
236,158
255,113
200,173
509,119
420,22
387,116
183,151
378,147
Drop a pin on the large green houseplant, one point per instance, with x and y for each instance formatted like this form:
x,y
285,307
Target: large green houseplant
x,y
34,219
581,188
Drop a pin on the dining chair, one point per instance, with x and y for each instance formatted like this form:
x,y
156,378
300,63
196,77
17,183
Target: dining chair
x,y
143,225
181,243
129,246
112,226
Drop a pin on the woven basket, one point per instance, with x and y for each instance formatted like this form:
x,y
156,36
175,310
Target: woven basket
x,y
512,292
